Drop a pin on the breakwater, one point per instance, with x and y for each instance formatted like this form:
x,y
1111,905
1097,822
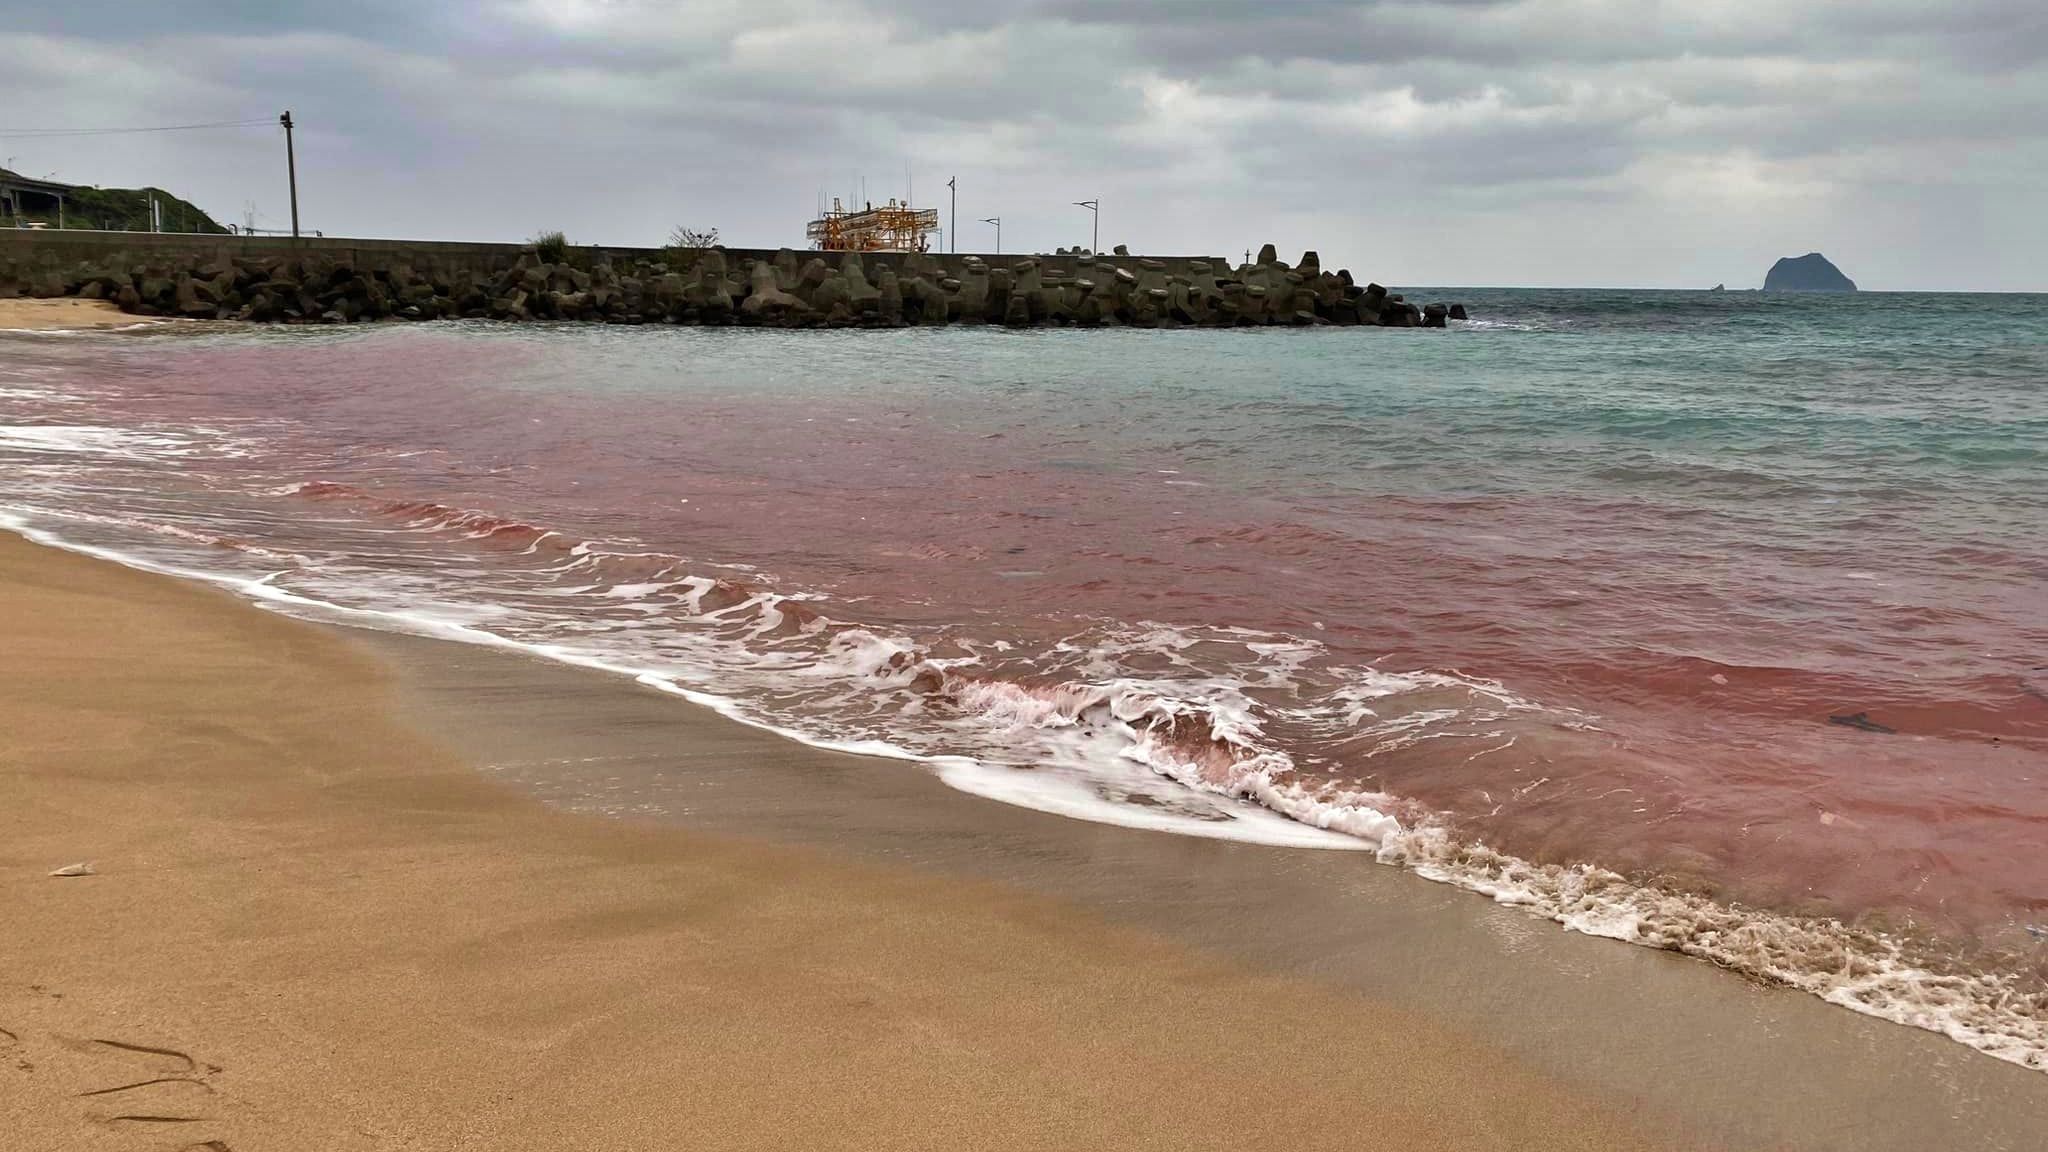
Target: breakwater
x,y
346,281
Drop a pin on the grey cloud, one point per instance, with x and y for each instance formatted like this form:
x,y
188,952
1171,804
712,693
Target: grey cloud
x,y
1526,33
101,20
1501,127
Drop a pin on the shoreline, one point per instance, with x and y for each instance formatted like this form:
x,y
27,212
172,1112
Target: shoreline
x,y
1625,1024
1726,1061
1896,981
62,314
308,925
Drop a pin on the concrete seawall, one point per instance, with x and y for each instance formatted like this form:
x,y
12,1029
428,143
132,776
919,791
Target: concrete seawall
x,y
336,280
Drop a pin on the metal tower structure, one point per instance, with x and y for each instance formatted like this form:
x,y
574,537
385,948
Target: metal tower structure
x,y
894,227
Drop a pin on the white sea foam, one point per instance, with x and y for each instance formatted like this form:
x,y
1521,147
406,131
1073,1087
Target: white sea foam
x,y
173,531
635,591
93,440
62,333
39,395
1184,754
1063,793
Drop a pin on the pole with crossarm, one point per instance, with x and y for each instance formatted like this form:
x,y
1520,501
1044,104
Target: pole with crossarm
x,y
291,167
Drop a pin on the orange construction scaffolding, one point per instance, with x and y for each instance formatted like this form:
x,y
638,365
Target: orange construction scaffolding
x,y
891,228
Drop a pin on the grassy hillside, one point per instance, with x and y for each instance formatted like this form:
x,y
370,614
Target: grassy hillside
x,y
126,210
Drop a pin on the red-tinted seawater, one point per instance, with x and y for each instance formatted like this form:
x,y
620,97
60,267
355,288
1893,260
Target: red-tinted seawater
x,y
1713,624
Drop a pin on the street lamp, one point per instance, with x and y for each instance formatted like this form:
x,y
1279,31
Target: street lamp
x,y
291,168
1095,236
998,222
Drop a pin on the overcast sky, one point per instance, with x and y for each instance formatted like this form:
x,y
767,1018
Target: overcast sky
x,y
1467,142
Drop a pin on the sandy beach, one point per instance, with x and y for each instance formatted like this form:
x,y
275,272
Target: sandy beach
x,y
24,314
310,927
1719,1061
898,576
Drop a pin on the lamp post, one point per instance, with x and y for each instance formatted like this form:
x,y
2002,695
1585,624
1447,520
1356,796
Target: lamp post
x,y
291,165
1095,234
953,221
998,222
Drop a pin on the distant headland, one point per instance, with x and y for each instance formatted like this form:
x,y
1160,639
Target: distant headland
x,y
32,204
1809,273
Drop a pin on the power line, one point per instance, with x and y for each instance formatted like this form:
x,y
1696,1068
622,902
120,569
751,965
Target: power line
x,y
45,133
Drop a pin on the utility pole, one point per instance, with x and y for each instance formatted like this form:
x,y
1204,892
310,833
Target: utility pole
x,y
291,167
953,221
998,222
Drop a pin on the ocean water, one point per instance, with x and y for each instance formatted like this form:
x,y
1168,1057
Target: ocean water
x,y
1711,622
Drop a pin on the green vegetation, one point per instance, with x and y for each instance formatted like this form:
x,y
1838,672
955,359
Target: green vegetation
x,y
552,247
119,210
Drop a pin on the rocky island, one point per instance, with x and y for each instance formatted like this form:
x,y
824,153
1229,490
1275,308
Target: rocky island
x,y
1809,273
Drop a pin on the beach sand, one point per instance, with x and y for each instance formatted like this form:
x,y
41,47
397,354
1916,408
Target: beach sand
x,y
310,926
24,314
1720,1061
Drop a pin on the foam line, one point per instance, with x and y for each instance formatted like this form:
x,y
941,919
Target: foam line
x,y
1060,797
1998,1013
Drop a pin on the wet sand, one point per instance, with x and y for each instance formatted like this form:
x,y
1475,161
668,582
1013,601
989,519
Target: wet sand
x,y
1677,1043
30,315
311,926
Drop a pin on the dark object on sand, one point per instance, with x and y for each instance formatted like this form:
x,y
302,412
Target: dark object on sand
x,y
1862,722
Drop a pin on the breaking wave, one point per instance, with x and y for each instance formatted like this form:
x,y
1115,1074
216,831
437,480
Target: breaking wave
x,y
1147,725
1212,731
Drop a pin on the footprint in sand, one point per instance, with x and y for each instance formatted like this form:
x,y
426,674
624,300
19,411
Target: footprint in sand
x,y
118,1085
59,1071
10,1052
143,1084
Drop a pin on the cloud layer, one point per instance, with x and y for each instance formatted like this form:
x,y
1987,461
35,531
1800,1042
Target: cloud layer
x,y
1444,141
